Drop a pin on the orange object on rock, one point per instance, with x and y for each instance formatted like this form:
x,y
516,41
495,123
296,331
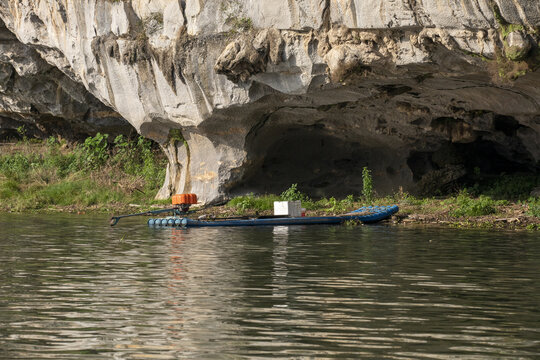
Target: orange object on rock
x,y
179,199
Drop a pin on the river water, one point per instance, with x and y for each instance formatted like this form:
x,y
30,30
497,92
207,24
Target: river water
x,y
72,287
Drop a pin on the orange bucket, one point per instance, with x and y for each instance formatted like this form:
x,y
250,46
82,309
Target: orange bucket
x,y
179,199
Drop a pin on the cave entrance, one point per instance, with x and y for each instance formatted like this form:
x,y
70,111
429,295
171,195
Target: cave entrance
x,y
456,165
323,163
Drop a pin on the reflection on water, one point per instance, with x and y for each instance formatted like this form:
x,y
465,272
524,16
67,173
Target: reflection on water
x,y
72,287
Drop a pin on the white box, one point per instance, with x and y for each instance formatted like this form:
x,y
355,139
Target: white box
x,y
290,208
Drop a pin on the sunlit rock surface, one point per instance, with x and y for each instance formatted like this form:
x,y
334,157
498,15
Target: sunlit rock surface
x,y
256,95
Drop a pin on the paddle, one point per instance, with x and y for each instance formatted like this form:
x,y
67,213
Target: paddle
x,y
175,210
114,219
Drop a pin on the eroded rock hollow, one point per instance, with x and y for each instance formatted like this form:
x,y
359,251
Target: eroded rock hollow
x,y
257,95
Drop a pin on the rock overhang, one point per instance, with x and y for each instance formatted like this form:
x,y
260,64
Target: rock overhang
x,y
230,89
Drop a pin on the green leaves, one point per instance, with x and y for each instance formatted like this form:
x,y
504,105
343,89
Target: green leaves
x,y
367,185
96,172
95,150
293,194
468,206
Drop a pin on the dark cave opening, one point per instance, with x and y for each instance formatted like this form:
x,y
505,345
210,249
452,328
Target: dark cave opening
x,y
506,124
474,162
489,159
321,162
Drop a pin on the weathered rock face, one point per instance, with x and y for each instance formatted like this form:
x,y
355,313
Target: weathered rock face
x,y
38,100
256,95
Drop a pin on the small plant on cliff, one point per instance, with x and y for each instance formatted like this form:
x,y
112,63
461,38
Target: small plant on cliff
x,y
152,23
367,185
232,10
512,62
505,70
241,24
506,27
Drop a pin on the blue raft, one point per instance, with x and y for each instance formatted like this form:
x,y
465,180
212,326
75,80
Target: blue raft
x,y
367,214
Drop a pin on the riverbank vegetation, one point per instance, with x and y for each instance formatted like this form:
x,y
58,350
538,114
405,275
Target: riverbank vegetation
x,y
460,210
98,173
501,202
114,175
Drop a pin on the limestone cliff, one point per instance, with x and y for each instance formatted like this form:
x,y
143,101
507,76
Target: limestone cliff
x,y
38,100
255,95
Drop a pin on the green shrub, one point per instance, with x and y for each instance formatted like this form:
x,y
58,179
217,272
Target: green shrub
x,y
45,174
293,194
16,166
95,150
534,207
467,206
138,158
251,202
8,189
367,185
348,201
333,205
64,164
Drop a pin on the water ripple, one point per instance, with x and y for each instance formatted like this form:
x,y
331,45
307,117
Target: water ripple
x,y
79,288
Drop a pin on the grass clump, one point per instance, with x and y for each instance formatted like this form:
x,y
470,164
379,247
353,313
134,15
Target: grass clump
x,y
266,202
8,189
96,172
252,202
534,207
469,206
334,206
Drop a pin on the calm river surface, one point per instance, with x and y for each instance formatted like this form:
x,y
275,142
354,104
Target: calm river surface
x,y
71,287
